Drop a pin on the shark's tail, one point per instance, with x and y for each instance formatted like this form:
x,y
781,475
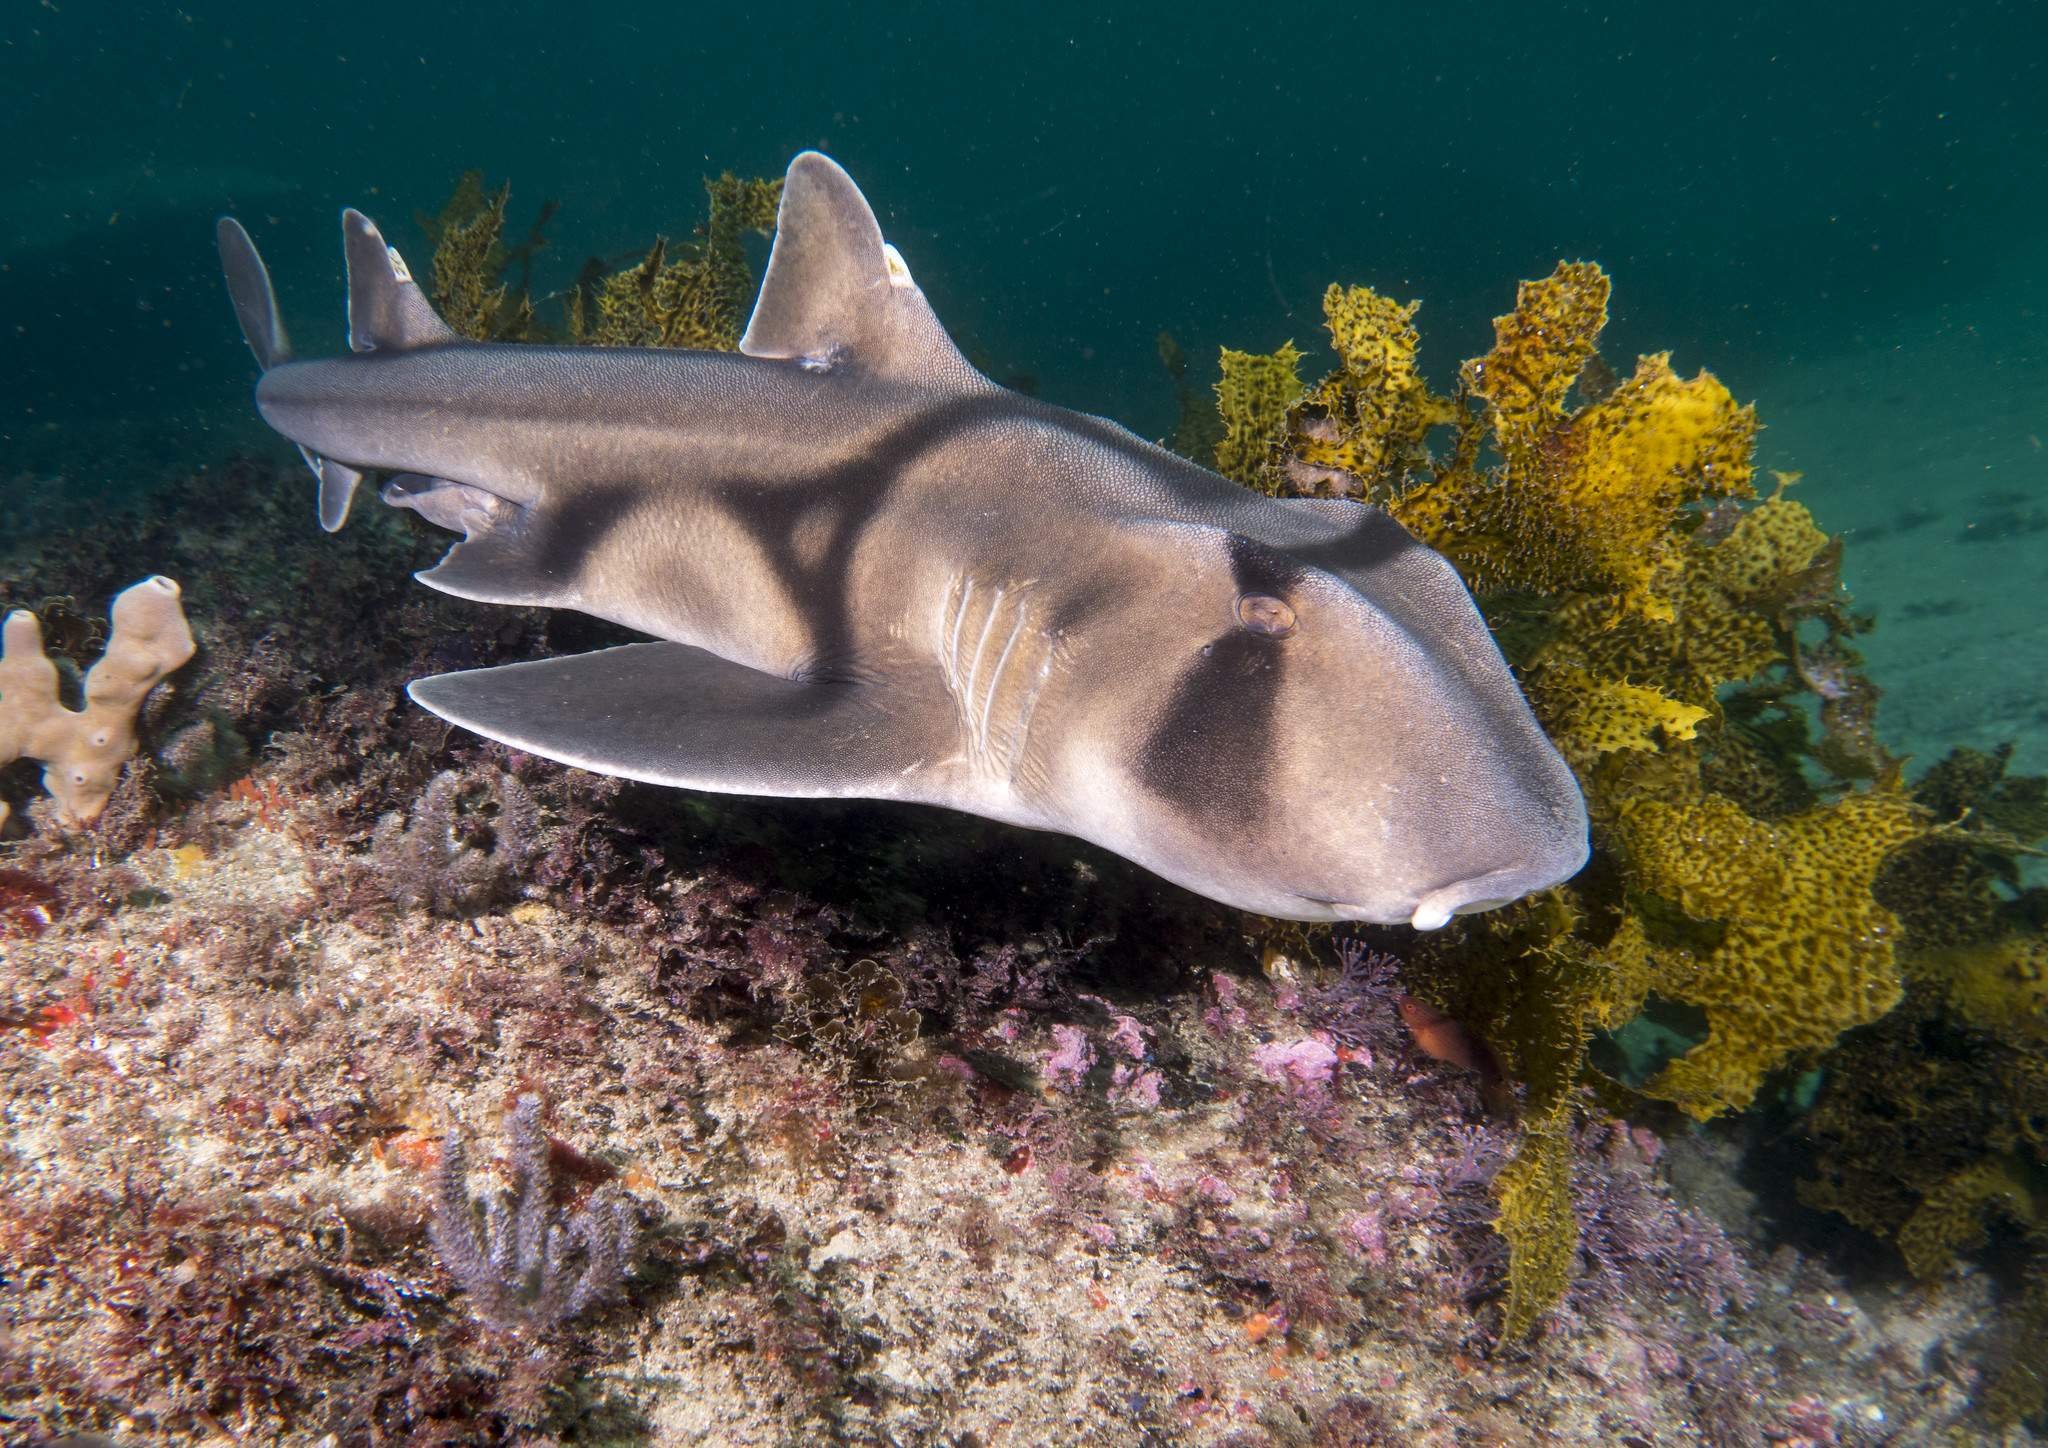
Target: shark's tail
x,y
386,311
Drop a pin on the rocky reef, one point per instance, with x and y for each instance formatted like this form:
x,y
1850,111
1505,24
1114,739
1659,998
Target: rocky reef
x,y
856,1123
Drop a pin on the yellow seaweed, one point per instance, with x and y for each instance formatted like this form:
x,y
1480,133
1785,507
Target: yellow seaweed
x,y
1255,396
468,257
1611,533
695,296
1805,952
1361,430
1534,1192
691,295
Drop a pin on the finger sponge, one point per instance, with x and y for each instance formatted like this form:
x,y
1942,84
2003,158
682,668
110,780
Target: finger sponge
x,y
82,750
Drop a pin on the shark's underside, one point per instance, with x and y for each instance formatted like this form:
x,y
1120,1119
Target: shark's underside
x,y
871,572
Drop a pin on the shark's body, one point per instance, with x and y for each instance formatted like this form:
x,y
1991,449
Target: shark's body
x,y
875,573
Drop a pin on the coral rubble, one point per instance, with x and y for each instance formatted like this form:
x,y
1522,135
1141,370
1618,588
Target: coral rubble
x,y
232,1150
464,845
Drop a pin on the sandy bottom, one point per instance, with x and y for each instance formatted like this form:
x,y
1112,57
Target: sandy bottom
x,y
1928,447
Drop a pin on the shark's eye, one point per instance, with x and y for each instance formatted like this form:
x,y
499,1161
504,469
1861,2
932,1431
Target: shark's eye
x,y
1261,613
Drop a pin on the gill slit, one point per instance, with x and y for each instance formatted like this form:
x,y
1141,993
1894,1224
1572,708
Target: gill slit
x,y
995,678
963,593
1020,731
988,625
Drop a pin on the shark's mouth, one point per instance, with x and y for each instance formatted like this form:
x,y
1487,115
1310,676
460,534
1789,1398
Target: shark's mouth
x,y
1484,892
1434,910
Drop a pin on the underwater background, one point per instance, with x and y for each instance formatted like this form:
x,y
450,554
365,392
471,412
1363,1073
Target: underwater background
x,y
1839,211
1494,1187
1840,214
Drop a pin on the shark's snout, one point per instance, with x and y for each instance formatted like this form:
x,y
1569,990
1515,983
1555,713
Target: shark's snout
x,y
1490,891
1544,841
1466,852
1433,908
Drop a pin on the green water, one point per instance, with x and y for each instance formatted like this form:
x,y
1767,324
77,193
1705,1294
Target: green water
x,y
1838,209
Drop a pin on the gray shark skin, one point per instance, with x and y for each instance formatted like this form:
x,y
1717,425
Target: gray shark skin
x,y
873,573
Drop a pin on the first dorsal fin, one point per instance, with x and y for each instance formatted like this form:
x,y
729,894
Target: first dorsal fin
x,y
387,311
837,295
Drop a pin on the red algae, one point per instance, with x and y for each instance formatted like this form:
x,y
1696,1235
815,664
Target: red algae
x,y
28,904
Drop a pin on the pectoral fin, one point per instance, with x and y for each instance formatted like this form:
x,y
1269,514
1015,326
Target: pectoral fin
x,y
666,713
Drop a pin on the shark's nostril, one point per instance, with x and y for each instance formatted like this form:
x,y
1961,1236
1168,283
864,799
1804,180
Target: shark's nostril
x,y
1261,613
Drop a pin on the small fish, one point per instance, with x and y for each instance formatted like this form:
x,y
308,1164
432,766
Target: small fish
x,y
1441,1038
869,571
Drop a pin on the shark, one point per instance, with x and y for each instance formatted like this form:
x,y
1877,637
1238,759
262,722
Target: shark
x,y
864,570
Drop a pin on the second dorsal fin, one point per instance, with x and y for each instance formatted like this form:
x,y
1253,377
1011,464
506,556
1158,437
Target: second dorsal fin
x,y
837,295
387,311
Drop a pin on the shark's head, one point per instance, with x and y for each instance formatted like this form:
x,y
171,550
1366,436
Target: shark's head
x,y
1323,740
